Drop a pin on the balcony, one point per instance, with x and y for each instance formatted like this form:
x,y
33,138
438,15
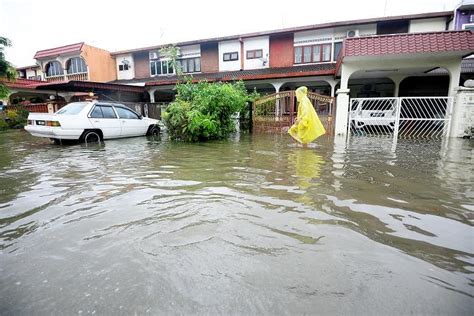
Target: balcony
x,y
81,76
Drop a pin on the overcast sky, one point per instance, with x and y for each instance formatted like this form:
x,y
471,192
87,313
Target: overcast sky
x,y
115,25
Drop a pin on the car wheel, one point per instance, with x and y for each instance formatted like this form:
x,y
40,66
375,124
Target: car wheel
x,y
153,131
91,137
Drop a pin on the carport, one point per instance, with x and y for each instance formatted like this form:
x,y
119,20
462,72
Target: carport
x,y
396,57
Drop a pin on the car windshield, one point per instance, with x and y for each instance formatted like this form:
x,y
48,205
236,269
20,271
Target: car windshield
x,y
72,108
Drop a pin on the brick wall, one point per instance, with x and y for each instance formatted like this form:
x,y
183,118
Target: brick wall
x,y
281,50
209,57
142,65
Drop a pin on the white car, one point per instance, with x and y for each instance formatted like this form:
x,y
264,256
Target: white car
x,y
91,122
373,112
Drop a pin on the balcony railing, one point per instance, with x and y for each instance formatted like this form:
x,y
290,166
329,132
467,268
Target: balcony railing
x,y
82,76
55,78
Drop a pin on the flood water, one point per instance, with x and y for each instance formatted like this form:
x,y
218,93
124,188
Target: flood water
x,y
253,225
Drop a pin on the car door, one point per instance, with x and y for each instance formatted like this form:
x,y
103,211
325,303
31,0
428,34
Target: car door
x,y
103,117
131,122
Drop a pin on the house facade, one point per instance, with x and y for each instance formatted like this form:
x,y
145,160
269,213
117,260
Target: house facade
x,y
280,59
78,61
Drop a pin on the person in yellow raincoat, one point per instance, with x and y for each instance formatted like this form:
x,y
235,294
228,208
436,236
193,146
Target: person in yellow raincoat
x,y
307,126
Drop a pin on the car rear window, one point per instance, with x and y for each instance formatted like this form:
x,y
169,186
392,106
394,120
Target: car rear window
x,y
72,108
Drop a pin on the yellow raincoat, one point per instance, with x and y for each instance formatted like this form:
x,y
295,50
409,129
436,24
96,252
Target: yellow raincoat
x,y
307,126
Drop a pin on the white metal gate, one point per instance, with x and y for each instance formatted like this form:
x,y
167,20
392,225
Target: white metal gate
x,y
417,117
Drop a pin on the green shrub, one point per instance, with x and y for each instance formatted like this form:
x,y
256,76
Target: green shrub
x,y
204,110
3,124
17,118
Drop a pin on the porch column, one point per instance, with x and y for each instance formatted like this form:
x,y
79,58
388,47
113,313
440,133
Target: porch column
x,y
277,85
396,81
342,111
66,95
333,84
152,95
454,69
342,101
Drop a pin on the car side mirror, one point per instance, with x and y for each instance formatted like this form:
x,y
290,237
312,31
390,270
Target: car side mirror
x,y
140,116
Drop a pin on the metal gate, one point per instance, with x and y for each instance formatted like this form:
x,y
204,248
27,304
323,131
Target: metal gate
x,y
275,113
417,117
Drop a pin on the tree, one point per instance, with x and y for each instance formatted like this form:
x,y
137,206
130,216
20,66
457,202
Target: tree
x,y
7,72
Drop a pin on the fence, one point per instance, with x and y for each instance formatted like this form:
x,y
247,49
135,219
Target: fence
x,y
152,110
36,107
275,113
416,117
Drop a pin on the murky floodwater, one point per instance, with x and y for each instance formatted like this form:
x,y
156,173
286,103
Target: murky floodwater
x,y
248,226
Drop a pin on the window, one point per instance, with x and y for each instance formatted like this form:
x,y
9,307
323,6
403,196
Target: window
x,y
97,112
76,65
298,54
316,54
253,54
72,108
313,54
54,68
103,111
161,67
337,50
392,27
190,64
108,112
126,113
123,67
231,56
326,53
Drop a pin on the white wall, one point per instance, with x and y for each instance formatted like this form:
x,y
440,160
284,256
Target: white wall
x,y
313,36
125,74
229,47
364,30
427,25
253,43
190,51
330,34
34,73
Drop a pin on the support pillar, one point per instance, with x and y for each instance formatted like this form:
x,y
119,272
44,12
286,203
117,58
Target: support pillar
x,y
342,111
454,69
152,95
333,84
396,81
342,101
277,85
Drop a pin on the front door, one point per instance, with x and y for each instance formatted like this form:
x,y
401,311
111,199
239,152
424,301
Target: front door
x,y
104,118
131,123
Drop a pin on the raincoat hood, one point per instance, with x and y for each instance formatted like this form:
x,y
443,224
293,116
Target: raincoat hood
x,y
301,92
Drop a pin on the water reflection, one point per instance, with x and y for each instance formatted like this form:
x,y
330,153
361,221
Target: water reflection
x,y
288,229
